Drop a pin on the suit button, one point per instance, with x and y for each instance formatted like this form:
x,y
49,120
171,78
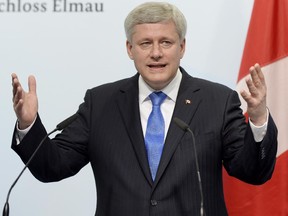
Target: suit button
x,y
154,202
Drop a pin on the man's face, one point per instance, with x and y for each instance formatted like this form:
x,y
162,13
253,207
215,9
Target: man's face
x,y
156,51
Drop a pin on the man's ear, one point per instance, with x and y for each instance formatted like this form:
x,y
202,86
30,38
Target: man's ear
x,y
183,46
129,48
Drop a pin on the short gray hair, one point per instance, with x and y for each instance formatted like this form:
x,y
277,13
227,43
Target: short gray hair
x,y
155,12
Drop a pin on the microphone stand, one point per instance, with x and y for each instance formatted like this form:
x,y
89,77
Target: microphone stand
x,y
60,126
185,127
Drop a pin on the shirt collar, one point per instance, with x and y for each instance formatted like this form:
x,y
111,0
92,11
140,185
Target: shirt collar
x,y
171,90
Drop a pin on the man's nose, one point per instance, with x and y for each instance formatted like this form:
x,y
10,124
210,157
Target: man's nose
x,y
156,51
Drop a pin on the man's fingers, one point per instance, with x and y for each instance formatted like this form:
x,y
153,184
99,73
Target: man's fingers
x,y
246,96
13,76
15,83
251,86
260,73
32,84
18,95
18,106
257,76
17,91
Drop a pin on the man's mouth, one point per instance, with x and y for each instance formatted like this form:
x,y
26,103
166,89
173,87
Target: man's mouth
x,y
156,66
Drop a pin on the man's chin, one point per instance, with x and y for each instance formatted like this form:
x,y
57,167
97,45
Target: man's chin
x,y
157,84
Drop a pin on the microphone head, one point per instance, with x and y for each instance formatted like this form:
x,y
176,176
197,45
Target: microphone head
x,y
67,121
181,124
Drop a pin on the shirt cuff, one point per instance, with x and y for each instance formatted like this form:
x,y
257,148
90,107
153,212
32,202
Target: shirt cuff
x,y
259,131
20,134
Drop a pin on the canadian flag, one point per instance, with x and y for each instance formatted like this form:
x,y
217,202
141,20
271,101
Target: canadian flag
x,y
266,44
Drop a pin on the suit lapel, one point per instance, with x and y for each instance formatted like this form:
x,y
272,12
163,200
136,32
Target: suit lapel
x,y
128,103
186,106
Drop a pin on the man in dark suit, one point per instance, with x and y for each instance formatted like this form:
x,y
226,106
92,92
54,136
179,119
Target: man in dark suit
x,y
113,123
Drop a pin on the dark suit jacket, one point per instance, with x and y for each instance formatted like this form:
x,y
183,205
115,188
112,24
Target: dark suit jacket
x,y
108,134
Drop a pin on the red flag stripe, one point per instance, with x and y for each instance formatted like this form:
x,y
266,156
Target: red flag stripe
x,y
267,35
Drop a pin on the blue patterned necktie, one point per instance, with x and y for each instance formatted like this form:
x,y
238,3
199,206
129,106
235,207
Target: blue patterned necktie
x,y
154,138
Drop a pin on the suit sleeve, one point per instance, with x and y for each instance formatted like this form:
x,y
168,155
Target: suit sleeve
x,y
60,157
250,161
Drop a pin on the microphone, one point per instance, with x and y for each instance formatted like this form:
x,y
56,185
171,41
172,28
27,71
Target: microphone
x,y
185,128
60,126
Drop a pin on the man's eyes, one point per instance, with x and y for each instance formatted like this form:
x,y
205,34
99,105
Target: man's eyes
x,y
164,44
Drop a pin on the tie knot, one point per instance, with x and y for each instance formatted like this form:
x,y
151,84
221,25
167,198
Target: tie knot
x,y
157,98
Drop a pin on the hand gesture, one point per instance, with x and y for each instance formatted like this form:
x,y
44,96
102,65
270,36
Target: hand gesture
x,y
25,103
256,97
